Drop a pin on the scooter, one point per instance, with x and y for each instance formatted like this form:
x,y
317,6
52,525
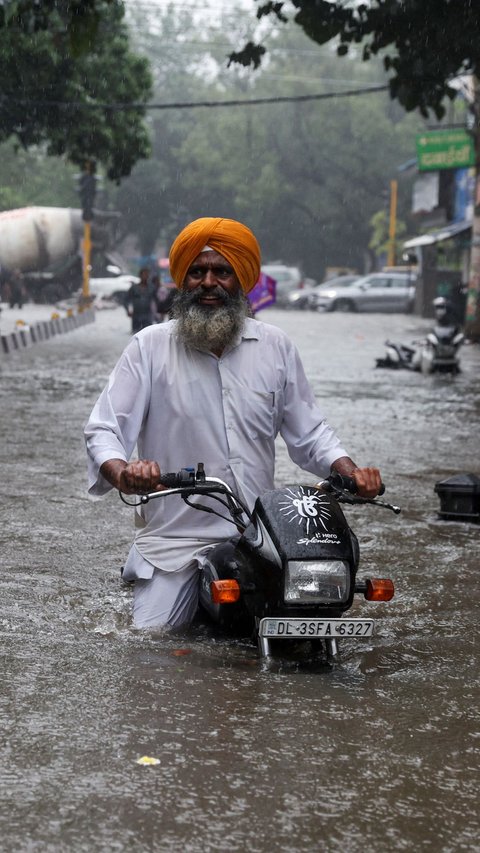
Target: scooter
x,y
399,356
437,353
290,572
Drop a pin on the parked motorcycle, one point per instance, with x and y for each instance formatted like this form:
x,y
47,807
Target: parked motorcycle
x,y
399,356
437,353
290,572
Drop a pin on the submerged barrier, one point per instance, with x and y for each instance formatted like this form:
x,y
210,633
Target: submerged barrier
x,y
27,334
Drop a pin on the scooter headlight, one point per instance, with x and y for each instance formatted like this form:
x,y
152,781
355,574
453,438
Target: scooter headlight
x,y
327,582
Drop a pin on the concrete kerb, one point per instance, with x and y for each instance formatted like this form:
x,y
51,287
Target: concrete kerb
x,y
44,330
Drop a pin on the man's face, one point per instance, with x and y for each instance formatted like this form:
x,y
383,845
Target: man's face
x,y
210,274
211,306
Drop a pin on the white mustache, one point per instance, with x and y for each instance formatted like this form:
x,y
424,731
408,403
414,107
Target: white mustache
x,y
216,292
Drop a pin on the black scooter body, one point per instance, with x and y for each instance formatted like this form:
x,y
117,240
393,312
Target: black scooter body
x,y
293,523
290,572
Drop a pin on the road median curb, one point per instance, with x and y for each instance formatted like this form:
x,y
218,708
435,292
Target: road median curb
x,y
27,335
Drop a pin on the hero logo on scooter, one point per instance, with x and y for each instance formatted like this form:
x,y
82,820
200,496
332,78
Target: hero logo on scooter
x,y
309,510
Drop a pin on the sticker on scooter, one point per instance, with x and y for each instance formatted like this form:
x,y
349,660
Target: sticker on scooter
x,y
322,538
306,508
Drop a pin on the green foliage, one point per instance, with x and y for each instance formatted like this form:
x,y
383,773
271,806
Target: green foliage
x,y
254,52
380,241
32,178
423,43
144,204
306,177
55,97
80,19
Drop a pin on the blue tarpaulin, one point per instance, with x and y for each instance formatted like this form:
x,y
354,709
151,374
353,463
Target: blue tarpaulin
x,y
263,294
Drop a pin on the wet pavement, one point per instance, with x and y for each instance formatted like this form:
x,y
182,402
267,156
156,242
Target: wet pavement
x,y
378,753
14,319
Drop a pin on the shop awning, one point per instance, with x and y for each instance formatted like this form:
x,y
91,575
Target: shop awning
x,y
438,236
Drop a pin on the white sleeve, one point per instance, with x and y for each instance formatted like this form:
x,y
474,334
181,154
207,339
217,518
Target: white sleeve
x,y
312,444
117,417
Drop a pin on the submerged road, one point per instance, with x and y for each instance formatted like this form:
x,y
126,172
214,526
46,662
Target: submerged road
x,y
379,753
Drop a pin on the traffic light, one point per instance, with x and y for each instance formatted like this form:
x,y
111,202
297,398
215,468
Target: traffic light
x,y
87,189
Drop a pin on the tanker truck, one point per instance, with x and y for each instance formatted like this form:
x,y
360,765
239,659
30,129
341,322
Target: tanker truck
x,y
44,244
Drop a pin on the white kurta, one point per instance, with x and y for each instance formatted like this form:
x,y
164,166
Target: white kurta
x,y
181,406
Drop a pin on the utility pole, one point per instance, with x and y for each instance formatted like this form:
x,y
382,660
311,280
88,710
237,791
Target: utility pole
x,y
87,189
392,228
472,322
87,254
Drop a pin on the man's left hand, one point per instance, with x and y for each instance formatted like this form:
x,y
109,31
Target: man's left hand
x,y
368,481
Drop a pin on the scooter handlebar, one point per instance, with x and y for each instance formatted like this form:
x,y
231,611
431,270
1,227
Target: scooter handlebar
x,y
188,481
175,480
171,481
186,477
347,484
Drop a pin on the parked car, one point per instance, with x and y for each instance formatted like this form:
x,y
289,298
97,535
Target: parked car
x,y
113,287
336,283
289,279
300,297
380,291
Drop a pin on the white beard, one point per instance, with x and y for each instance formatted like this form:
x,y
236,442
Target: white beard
x,y
209,329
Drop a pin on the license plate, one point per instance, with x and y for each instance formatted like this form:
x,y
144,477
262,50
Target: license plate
x,y
307,628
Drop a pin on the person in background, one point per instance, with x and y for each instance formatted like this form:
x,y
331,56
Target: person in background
x,y
163,299
211,385
16,289
445,314
139,302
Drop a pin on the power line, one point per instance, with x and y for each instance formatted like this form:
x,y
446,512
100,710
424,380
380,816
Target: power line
x,y
184,105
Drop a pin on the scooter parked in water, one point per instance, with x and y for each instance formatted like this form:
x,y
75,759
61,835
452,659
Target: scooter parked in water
x,y
399,356
437,353
290,573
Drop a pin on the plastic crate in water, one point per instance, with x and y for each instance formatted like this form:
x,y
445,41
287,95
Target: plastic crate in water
x,y
459,497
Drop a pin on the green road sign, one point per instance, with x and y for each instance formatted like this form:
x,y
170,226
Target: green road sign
x,y
444,149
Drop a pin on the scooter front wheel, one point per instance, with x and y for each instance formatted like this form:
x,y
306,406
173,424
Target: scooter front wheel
x,y
426,364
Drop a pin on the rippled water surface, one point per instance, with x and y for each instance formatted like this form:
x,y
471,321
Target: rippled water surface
x,y
378,753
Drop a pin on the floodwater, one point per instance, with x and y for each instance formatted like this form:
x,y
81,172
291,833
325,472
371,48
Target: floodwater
x,y
378,753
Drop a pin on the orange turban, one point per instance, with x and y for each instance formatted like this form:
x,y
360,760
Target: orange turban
x,y
229,238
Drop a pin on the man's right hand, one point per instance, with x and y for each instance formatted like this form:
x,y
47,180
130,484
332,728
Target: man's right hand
x,y
132,478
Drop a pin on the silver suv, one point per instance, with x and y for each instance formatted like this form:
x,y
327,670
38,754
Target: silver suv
x,y
379,291
288,280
